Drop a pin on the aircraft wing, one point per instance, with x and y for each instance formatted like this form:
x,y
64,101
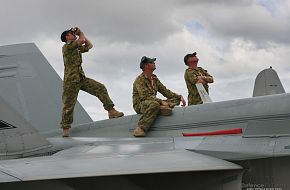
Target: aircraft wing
x,y
93,165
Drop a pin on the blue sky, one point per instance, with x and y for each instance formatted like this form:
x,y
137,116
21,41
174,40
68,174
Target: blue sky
x,y
270,6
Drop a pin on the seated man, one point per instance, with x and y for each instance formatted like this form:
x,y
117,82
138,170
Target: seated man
x,y
145,101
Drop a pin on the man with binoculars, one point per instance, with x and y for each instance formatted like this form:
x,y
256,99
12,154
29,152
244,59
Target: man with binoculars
x,y
74,78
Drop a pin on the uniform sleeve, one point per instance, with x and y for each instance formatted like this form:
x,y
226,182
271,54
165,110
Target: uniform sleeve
x,y
166,92
144,92
190,77
72,46
83,49
206,73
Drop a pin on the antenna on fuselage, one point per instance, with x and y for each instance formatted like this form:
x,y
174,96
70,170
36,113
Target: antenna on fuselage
x,y
203,93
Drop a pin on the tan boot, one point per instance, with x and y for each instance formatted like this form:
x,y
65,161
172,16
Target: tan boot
x,y
65,132
114,113
165,111
139,132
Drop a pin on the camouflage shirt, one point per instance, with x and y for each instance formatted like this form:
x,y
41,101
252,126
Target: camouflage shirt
x,y
190,77
72,57
143,90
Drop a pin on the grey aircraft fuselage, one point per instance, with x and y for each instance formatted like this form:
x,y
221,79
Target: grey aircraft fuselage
x,y
263,148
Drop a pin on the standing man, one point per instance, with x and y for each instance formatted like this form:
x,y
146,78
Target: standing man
x,y
75,79
145,101
194,74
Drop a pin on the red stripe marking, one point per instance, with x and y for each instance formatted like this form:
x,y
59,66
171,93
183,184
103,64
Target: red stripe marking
x,y
220,132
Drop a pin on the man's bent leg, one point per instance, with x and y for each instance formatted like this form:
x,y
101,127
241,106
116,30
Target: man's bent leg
x,y
149,110
99,90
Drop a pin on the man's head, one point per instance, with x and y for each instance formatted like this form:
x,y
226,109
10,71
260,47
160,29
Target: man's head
x,y
68,35
190,58
145,61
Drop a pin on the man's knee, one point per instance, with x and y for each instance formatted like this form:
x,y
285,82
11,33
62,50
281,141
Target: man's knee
x,y
149,105
101,87
91,86
154,105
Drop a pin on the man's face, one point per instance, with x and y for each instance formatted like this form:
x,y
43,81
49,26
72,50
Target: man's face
x,y
71,36
151,66
192,60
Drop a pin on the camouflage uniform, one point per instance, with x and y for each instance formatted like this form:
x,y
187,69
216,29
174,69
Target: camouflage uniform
x,y
190,77
75,80
145,101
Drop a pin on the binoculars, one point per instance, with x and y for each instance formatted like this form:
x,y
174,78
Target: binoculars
x,y
73,29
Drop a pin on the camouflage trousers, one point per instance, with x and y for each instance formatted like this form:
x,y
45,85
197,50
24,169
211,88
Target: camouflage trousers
x,y
194,98
150,109
70,94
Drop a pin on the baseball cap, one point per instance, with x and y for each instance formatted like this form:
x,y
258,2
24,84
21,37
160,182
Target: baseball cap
x,y
63,35
145,60
188,56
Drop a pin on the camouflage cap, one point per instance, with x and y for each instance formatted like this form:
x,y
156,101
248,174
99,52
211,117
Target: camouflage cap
x,y
63,35
145,60
188,56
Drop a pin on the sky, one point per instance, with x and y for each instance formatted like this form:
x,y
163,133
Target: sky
x,y
234,41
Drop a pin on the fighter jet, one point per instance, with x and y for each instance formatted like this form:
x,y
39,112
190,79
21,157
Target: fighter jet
x,y
227,145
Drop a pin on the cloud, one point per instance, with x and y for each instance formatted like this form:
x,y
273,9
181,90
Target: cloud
x,y
145,22
123,21
240,19
234,40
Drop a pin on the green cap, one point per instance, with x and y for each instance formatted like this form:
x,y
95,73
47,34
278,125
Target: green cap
x,y
145,60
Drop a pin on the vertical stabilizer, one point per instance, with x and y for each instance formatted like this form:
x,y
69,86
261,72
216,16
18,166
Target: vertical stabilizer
x,y
267,83
17,136
31,86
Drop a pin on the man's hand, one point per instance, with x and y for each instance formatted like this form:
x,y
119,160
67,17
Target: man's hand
x,y
204,79
78,31
200,81
164,103
82,38
182,101
88,43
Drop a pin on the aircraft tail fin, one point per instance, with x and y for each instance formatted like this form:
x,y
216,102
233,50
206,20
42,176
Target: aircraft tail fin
x,y
203,93
30,85
17,137
267,82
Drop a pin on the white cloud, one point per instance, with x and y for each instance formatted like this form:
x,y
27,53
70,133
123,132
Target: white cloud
x,y
234,39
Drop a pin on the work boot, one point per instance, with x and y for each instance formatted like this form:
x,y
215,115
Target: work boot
x,y
65,132
165,111
114,113
139,132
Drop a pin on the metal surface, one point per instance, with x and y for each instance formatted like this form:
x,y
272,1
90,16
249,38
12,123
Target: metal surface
x,y
267,83
203,94
86,165
17,136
